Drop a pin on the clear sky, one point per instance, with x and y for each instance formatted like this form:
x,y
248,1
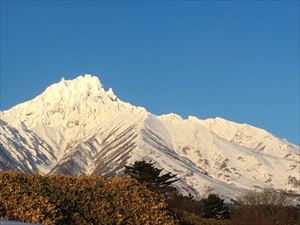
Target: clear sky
x,y
234,59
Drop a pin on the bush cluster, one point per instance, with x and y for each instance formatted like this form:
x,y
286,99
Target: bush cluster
x,y
60,200
79,200
267,207
207,211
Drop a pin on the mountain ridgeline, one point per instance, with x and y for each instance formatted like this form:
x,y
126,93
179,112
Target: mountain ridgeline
x,y
76,127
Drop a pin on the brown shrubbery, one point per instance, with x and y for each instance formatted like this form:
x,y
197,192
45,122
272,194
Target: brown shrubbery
x,y
79,200
194,219
267,207
190,211
83,200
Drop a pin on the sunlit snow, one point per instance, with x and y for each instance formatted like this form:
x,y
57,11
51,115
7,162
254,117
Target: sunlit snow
x,y
77,127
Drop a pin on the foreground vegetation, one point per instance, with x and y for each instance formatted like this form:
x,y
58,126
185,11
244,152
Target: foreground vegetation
x,y
147,199
79,200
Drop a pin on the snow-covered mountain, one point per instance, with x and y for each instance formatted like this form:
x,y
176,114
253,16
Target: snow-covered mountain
x,y
76,127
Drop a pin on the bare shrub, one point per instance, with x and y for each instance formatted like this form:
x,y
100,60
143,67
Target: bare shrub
x,y
267,207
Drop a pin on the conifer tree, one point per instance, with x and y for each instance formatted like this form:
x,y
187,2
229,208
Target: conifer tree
x,y
214,207
146,173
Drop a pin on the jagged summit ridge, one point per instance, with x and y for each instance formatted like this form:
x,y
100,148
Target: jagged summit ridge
x,y
72,92
77,127
83,97
82,86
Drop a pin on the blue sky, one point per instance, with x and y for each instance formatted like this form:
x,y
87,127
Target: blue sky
x,y
234,59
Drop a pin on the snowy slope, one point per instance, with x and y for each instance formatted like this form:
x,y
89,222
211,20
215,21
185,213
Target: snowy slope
x,y
76,127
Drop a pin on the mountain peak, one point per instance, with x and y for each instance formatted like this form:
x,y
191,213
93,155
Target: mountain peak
x,y
83,97
86,79
77,127
81,85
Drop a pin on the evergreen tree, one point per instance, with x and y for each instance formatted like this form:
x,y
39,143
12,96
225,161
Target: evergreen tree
x,y
214,207
145,173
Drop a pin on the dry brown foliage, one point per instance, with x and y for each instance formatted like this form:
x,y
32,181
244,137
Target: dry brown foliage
x,y
79,200
267,207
